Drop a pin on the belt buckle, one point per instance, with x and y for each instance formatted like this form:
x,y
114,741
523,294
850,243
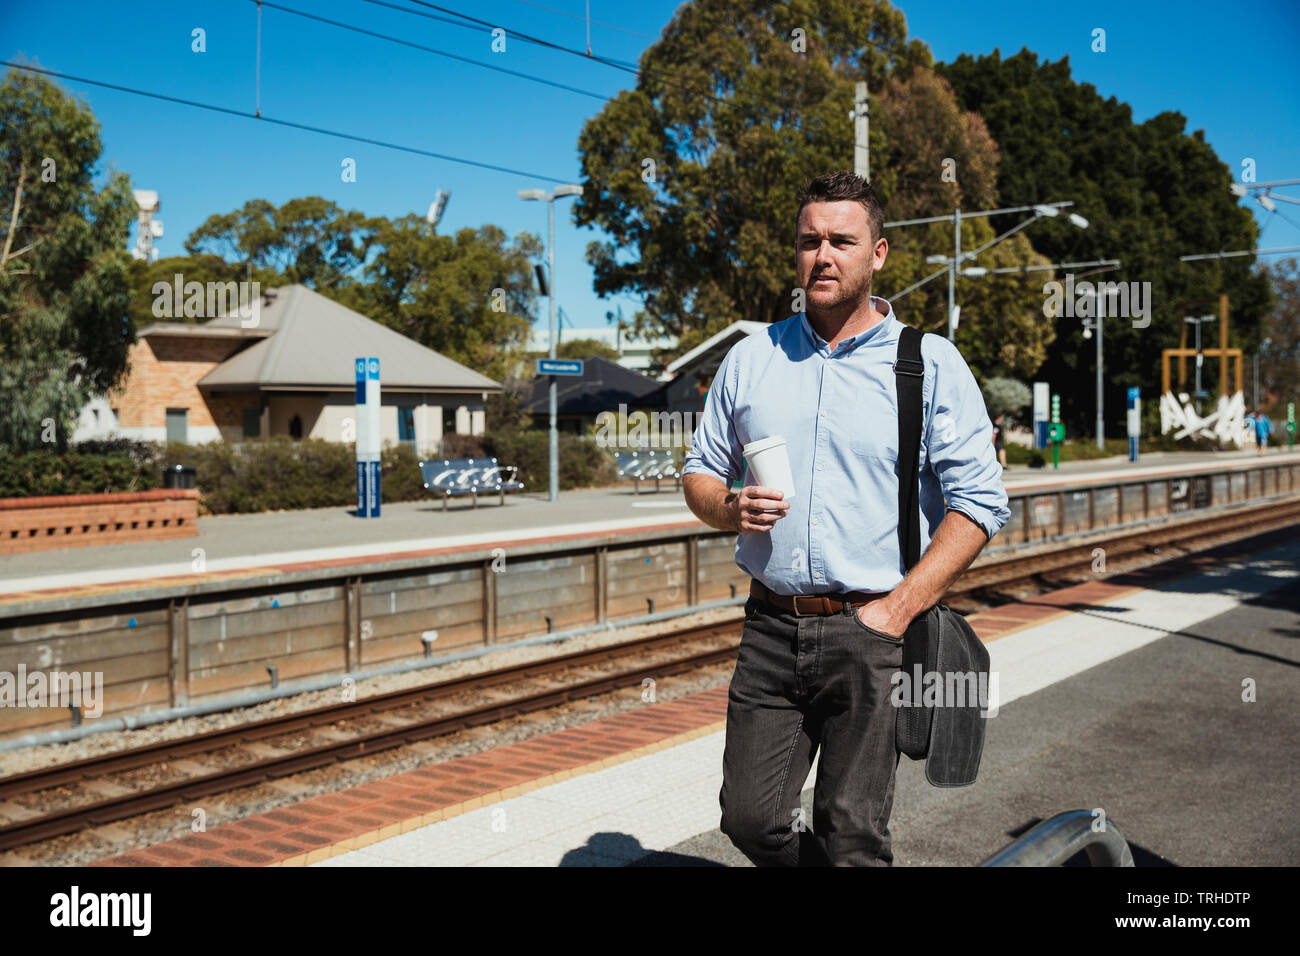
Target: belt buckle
x,y
794,599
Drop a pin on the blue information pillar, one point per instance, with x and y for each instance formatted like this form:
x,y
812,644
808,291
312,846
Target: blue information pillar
x,y
1041,402
1134,422
369,438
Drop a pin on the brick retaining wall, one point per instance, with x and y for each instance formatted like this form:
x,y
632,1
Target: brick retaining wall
x,y
66,521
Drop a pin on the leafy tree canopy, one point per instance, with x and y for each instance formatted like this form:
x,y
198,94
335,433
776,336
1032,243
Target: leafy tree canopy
x,y
1150,191
65,329
693,174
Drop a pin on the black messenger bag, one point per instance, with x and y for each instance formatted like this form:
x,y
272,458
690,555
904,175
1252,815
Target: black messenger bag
x,y
931,726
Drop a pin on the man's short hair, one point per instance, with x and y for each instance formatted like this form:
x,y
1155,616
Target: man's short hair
x,y
840,186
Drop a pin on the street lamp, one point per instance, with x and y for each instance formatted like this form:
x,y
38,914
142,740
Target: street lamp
x,y
1088,326
953,262
549,199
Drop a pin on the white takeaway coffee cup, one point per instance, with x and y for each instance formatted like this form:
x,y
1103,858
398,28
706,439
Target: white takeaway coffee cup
x,y
770,463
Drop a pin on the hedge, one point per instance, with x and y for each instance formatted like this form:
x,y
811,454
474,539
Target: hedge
x,y
283,474
583,463
46,473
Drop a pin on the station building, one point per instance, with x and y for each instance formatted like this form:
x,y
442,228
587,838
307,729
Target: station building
x,y
288,371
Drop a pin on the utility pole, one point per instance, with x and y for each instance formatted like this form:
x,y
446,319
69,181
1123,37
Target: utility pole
x,y
553,441
861,125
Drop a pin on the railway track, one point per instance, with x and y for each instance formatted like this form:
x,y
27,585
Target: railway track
x,y
65,798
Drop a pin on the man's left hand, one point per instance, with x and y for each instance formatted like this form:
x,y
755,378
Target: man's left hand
x,y
880,615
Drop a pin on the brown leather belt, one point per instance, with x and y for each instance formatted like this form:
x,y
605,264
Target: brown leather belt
x,y
810,605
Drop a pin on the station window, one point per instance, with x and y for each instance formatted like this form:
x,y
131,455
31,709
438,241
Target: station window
x,y
178,424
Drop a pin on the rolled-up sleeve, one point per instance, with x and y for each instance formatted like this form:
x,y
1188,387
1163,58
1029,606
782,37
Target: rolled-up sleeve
x,y
715,450
959,440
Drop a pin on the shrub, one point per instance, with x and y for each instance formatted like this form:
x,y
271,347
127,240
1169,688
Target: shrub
x,y
1006,396
40,473
400,475
144,452
280,474
455,445
583,464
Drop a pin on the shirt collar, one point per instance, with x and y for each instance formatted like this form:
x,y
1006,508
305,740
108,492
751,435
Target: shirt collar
x,y
847,345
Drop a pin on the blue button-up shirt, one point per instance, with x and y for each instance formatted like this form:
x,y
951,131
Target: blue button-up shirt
x,y
838,412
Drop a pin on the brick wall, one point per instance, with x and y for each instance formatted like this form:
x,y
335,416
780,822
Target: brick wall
x,y
164,374
65,521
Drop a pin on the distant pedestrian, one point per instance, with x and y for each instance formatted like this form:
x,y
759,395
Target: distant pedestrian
x,y
1263,427
999,441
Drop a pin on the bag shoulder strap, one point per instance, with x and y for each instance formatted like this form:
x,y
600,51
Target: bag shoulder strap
x,y
909,376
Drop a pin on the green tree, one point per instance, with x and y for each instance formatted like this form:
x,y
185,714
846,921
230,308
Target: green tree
x,y
65,328
693,174
1150,192
468,296
203,267
584,349
1279,365
736,106
310,240
937,158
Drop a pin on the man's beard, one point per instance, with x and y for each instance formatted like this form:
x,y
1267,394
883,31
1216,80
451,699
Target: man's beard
x,y
850,297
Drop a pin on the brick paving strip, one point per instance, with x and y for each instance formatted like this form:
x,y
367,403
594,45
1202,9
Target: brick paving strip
x,y
331,824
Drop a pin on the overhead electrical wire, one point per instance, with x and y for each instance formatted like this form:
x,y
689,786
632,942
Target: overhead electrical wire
x,y
428,49
578,16
282,122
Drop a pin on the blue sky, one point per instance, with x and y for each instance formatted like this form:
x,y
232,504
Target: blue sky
x,y
1232,71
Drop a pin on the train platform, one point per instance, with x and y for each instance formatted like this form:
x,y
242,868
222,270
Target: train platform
x,y
277,541
1169,707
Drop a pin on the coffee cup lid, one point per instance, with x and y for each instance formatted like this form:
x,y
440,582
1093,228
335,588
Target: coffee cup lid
x,y
762,444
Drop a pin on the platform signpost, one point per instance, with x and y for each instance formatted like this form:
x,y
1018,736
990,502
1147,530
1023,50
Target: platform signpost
x,y
1134,421
1056,431
369,437
1290,425
1041,390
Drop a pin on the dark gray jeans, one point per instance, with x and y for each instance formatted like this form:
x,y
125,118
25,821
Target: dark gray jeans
x,y
802,683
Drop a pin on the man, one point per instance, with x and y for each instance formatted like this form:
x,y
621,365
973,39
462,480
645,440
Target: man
x,y
814,674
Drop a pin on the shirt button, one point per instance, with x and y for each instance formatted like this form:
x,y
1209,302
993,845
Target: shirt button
x,y
822,413
819,467
814,520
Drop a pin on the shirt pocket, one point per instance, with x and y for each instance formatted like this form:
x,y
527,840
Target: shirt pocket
x,y
876,437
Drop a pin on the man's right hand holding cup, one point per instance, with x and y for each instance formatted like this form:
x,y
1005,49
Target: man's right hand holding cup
x,y
758,508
